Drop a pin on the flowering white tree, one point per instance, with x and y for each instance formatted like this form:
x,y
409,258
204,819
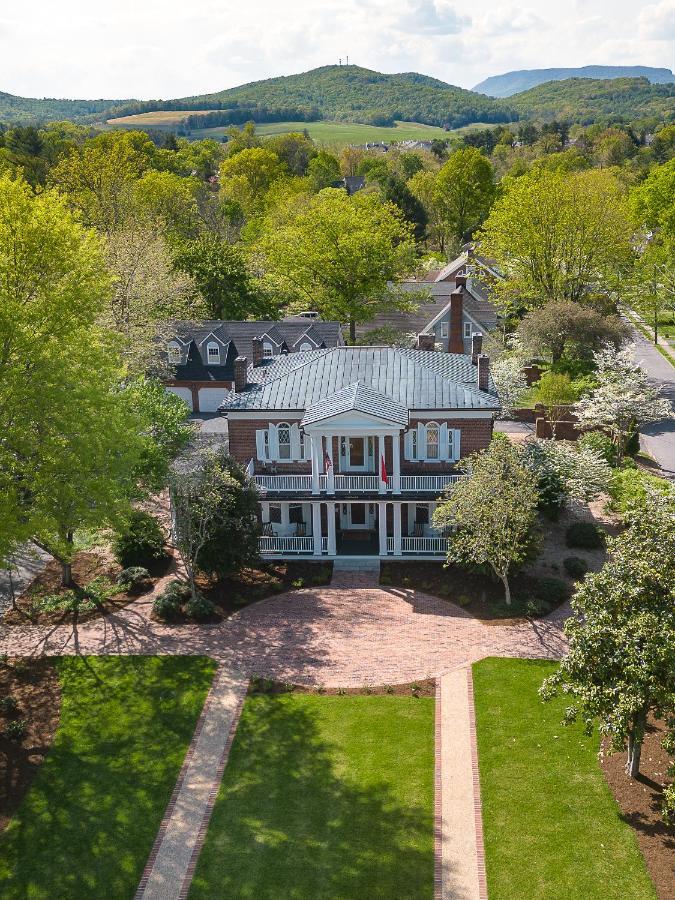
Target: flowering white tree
x,y
624,399
510,381
567,471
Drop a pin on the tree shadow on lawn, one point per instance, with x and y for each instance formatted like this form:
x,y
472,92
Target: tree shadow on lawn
x,y
295,818
87,825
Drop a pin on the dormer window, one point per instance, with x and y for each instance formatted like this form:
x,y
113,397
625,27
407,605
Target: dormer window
x,y
174,354
305,347
268,350
213,354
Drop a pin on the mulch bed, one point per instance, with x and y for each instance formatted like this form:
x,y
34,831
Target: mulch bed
x,y
423,688
640,803
253,584
87,565
34,684
479,595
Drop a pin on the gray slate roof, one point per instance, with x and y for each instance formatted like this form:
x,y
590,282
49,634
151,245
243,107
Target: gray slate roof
x,y
409,379
357,397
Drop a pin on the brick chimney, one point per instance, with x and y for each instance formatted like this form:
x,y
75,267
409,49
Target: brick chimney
x,y
257,354
476,346
240,370
460,279
426,341
455,338
483,372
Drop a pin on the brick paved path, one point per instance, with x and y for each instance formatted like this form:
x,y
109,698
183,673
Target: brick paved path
x,y
335,636
168,873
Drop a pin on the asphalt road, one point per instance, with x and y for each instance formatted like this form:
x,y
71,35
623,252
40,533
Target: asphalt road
x,y
658,439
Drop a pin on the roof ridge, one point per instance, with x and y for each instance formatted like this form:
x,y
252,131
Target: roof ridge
x,y
300,365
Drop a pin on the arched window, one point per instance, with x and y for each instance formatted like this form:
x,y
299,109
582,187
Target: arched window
x,y
268,350
433,440
174,353
212,353
284,439
305,347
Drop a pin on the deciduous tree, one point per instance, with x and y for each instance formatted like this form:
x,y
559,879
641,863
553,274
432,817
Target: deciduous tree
x,y
493,512
564,328
465,190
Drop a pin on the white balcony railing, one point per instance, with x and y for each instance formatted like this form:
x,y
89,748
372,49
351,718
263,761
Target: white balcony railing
x,y
436,545
285,483
357,483
436,483
286,544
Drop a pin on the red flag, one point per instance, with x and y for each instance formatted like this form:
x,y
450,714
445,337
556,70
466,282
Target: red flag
x,y
383,471
327,463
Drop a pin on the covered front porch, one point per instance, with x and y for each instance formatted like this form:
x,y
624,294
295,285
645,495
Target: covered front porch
x,y
349,528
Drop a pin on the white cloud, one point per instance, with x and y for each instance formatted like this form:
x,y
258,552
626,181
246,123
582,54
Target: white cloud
x,y
167,48
657,21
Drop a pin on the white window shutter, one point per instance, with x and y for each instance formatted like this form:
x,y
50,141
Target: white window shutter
x,y
274,442
307,447
260,444
456,435
443,440
421,441
295,442
407,445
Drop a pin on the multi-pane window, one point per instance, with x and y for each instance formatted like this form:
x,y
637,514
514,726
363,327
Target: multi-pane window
x,y
268,350
413,444
444,329
174,353
433,441
284,439
467,329
213,354
305,347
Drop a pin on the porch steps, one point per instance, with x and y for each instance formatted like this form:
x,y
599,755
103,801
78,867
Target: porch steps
x,y
350,573
356,564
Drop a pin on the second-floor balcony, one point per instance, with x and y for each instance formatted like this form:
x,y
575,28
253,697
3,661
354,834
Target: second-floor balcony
x,y
355,484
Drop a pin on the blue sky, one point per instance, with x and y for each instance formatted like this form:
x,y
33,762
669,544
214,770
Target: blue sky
x,y
170,48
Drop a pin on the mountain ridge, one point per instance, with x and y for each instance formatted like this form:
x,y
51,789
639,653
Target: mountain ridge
x,y
509,83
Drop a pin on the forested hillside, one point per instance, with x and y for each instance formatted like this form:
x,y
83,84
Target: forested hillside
x,y
347,93
584,100
31,110
522,80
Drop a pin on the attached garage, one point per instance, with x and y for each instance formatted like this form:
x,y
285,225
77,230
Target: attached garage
x,y
211,398
183,393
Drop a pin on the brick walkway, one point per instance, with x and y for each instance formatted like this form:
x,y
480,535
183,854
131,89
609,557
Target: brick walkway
x,y
340,635
168,873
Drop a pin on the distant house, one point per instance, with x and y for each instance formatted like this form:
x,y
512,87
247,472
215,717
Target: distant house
x,y
352,183
201,355
456,307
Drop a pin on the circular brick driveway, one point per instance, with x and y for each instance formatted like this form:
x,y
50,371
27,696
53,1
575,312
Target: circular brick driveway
x,y
348,634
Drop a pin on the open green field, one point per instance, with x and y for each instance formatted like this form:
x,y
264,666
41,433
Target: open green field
x,y
88,822
325,796
552,828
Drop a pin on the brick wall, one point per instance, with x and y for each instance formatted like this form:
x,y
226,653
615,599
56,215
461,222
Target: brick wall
x,y
243,447
475,435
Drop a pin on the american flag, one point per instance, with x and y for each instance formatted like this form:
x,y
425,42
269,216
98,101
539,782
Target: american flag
x,y
327,462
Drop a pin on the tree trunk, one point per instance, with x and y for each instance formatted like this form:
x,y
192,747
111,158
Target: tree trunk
x,y
635,738
12,595
507,589
352,331
656,327
66,567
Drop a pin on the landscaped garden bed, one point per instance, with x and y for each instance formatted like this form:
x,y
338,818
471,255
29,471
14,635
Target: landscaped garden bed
x,y
87,823
30,699
94,592
227,595
325,796
551,825
479,594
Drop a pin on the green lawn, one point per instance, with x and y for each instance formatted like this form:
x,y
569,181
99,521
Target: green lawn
x,y
552,828
87,824
325,797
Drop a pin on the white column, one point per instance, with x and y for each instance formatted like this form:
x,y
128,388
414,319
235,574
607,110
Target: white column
x,y
315,445
382,525
397,529
265,507
396,480
330,512
316,528
330,481
382,487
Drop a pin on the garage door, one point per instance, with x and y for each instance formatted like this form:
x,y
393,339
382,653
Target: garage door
x,y
183,393
211,398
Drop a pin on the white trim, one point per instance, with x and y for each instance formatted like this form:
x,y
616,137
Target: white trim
x,y
211,334
487,412
212,345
